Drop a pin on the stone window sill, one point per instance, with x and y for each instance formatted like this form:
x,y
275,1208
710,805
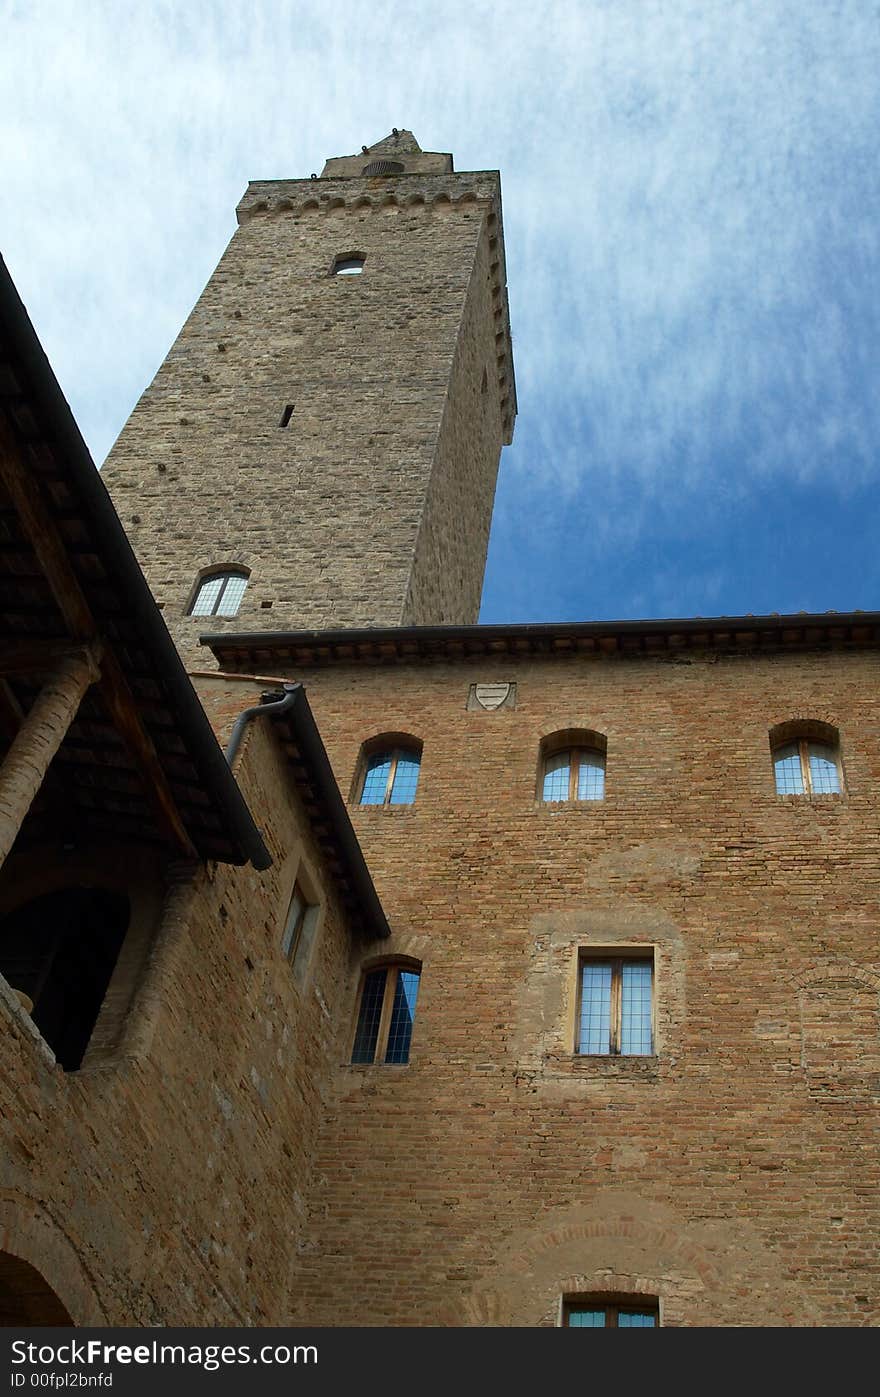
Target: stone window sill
x,y
600,1066
570,807
380,810
826,798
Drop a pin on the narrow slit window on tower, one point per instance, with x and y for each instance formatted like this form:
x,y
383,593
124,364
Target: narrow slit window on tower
x,y
219,594
351,264
286,415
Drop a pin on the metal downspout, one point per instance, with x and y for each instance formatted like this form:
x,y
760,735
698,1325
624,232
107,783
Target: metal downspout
x,y
259,710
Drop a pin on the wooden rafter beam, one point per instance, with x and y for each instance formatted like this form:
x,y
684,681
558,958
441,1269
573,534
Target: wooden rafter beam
x,y
42,732
44,538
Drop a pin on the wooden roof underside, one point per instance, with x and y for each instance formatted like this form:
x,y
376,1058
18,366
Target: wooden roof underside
x,y
140,761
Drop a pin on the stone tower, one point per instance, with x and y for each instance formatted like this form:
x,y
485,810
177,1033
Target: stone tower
x,y
329,422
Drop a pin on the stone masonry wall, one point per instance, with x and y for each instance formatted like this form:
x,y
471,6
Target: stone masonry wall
x,y
385,383
734,1175
446,580
166,1182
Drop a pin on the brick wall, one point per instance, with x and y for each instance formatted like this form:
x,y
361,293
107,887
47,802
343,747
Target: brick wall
x,y
735,1175
166,1182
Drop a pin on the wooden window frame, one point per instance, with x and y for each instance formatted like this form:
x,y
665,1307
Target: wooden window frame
x,y
617,962
574,754
393,969
803,748
612,1308
394,754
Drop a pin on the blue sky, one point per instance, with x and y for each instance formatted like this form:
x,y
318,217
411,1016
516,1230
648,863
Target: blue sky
x,y
692,217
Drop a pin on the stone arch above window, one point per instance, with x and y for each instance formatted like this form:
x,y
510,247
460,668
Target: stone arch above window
x,y
839,1004
806,758
218,591
388,770
572,766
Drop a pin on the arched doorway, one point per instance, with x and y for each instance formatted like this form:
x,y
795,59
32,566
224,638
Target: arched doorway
x,y
26,1299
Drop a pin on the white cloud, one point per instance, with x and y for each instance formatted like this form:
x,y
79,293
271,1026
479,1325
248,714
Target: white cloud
x,y
690,193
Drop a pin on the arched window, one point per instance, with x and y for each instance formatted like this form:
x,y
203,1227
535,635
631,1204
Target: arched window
x,y
386,1012
219,593
350,264
806,759
572,766
389,771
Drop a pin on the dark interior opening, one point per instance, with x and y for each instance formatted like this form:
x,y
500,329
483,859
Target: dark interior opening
x,y
25,1298
59,952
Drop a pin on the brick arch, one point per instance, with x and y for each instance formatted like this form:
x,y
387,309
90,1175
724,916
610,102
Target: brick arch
x,y
40,1263
818,729
828,971
839,1011
621,1243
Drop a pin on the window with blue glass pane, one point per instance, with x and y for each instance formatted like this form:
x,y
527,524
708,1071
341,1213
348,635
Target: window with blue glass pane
x,y
787,768
403,1012
572,773
616,1007
557,777
807,767
586,1319
369,1016
584,1313
386,1014
824,771
376,780
219,594
391,777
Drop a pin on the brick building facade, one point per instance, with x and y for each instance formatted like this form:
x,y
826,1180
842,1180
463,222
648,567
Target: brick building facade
x,y
685,806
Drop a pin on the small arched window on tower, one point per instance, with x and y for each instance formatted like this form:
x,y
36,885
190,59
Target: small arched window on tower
x,y
572,766
388,771
219,592
806,758
348,264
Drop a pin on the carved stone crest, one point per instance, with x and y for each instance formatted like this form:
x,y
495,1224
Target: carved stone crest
x,y
492,696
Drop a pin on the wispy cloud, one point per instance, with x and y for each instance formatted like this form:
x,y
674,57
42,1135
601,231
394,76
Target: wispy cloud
x,y
691,210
